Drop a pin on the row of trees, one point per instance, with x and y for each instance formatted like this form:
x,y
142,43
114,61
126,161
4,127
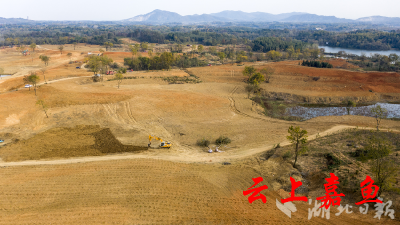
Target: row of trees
x,y
204,38
266,44
317,64
56,34
162,61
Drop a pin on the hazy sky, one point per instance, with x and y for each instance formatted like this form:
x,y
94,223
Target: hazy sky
x,y
124,9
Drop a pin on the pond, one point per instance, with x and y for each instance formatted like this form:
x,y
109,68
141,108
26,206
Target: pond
x,y
358,51
4,76
393,111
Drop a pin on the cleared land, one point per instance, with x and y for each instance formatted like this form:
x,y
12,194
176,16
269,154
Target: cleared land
x,y
183,184
146,191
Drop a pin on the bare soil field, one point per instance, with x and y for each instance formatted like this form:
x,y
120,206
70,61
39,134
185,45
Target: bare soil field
x,y
339,80
296,83
146,191
183,184
18,65
341,63
67,142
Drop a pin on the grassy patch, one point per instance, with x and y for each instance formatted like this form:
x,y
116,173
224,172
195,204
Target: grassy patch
x,y
341,153
320,105
276,109
182,80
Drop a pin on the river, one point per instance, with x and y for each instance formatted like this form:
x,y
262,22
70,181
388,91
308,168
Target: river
x,y
358,51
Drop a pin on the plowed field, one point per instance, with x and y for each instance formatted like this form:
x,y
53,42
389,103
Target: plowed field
x,y
146,192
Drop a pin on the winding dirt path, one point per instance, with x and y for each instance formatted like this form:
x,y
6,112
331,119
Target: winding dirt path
x,y
237,111
185,157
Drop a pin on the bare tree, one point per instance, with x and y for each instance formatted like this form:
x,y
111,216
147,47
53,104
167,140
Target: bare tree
x,y
119,77
133,50
268,72
44,106
61,48
43,70
379,114
382,165
69,55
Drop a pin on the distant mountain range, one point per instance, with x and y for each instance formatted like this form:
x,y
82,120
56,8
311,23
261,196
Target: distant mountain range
x,y
165,17
381,19
162,17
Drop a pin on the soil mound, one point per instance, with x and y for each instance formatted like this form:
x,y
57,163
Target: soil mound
x,y
67,142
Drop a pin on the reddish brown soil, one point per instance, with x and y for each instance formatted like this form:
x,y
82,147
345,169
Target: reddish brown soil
x,y
381,82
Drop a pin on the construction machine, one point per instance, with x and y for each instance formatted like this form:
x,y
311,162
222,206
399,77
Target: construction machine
x,y
163,144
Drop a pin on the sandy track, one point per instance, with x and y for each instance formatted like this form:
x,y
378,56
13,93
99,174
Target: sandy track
x,y
189,158
68,78
237,111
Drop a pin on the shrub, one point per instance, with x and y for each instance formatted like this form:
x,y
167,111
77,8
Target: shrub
x,y
96,79
332,161
222,140
203,142
287,155
315,78
114,65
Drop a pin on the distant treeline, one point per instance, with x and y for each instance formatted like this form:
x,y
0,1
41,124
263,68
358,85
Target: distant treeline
x,y
204,38
57,35
266,44
361,39
261,40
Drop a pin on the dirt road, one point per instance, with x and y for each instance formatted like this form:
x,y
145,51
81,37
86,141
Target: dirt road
x,y
189,158
68,78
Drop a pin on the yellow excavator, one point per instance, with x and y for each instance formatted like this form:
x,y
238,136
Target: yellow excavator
x,y
163,143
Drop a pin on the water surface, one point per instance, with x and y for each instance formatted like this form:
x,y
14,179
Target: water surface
x,y
358,51
393,111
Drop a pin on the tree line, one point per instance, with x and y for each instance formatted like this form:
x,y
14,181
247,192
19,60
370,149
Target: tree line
x,y
317,64
256,38
162,61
